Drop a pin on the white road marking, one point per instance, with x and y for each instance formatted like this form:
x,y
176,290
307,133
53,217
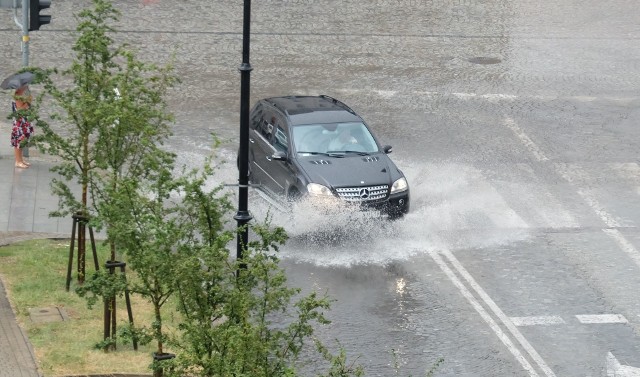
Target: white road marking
x,y
564,171
571,173
615,369
537,320
386,93
471,96
587,319
605,216
498,313
560,169
489,96
494,308
601,318
528,143
625,245
483,313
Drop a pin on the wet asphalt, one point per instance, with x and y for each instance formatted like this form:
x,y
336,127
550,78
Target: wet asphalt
x,y
516,124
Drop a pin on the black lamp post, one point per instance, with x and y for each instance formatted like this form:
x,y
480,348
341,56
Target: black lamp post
x,y
243,216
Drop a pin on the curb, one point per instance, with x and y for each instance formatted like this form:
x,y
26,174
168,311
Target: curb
x,y
8,238
111,375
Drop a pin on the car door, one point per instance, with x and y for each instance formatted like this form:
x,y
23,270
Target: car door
x,y
260,134
281,171
267,171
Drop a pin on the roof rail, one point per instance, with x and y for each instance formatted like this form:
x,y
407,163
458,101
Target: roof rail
x,y
338,102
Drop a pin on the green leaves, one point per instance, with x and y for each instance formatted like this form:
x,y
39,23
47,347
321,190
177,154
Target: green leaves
x,y
110,123
101,285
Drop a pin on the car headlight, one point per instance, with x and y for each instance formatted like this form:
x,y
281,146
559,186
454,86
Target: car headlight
x,y
318,190
399,185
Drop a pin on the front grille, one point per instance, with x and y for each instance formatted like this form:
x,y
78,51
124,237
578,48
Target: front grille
x,y
363,194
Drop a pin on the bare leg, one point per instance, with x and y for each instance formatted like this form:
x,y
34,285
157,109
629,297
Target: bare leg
x,y
19,159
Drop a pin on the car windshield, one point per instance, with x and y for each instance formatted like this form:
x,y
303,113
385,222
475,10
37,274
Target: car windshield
x,y
333,137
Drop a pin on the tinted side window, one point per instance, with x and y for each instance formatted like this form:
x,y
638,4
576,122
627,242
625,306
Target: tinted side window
x,y
265,125
256,116
280,141
281,133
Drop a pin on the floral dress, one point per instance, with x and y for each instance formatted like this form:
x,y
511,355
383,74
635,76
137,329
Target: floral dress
x,y
22,129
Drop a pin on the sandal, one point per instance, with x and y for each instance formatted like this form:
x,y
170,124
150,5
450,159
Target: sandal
x,y
21,165
26,163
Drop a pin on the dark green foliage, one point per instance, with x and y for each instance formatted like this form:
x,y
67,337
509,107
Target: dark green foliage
x,y
102,284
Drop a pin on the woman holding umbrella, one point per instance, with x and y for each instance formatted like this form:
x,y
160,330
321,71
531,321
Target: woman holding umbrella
x,y
22,128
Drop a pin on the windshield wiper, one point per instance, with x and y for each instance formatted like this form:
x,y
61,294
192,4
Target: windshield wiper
x,y
342,153
312,153
330,153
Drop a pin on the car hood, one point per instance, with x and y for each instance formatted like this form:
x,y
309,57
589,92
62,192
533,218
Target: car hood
x,y
351,170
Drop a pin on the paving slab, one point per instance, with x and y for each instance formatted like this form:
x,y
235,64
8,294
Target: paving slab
x,y
16,355
24,210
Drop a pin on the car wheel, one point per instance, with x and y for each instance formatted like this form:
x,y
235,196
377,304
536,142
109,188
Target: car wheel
x,y
293,195
394,215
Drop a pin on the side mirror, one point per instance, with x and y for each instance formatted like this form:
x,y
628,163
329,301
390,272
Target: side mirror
x,y
279,156
387,149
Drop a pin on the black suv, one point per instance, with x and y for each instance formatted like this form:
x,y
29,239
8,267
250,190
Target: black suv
x,y
318,147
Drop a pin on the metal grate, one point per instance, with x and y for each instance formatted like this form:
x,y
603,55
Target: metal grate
x,y
363,194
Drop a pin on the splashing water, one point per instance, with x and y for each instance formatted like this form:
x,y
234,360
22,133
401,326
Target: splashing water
x,y
453,207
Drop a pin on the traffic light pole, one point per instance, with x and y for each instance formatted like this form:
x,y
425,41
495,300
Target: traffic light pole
x,y
25,32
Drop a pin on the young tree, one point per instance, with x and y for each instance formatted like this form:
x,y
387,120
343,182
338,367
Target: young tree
x,y
149,233
111,121
238,317
109,117
174,234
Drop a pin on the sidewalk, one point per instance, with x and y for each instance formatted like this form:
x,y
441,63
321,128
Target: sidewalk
x,y
24,208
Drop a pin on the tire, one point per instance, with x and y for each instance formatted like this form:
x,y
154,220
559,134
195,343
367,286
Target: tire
x,y
293,195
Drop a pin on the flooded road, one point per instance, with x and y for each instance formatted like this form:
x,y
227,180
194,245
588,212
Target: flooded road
x,y
516,124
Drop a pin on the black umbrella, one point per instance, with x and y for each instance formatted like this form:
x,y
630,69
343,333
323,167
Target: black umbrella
x,y
17,80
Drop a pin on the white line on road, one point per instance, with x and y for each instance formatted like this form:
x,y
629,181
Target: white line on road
x,y
587,319
492,97
601,318
488,96
498,312
483,313
528,143
537,320
625,245
597,208
563,171
615,369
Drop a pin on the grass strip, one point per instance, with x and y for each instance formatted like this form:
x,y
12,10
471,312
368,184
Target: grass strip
x,y
34,274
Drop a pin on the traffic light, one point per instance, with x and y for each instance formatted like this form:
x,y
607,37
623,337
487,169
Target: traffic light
x,y
35,18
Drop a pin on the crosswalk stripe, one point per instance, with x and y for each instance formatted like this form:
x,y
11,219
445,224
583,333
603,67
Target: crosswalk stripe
x,y
537,320
587,319
601,318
